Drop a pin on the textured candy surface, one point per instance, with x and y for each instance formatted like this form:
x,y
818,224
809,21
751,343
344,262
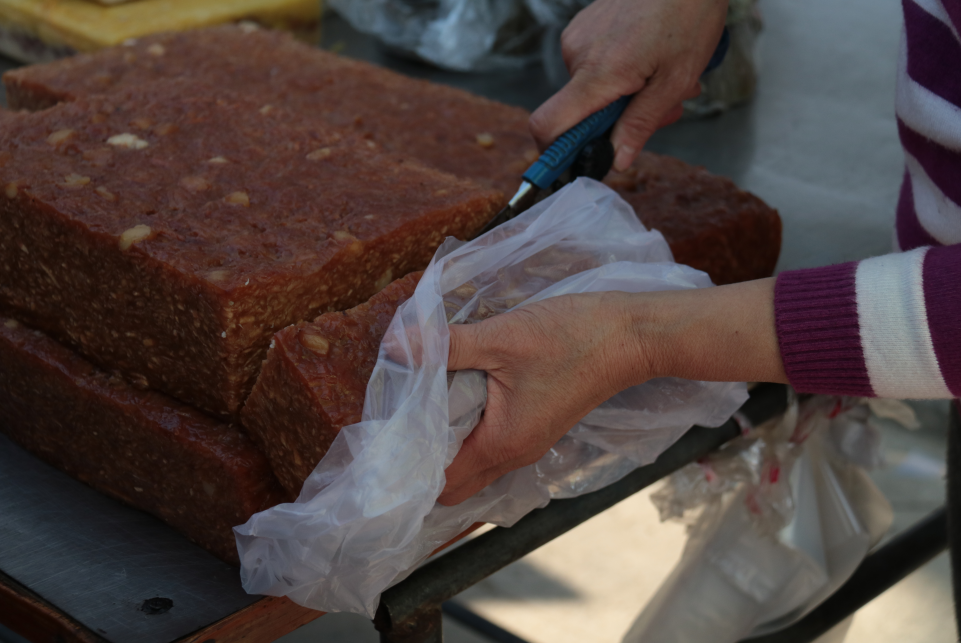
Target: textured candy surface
x,y
168,235
314,380
709,222
199,475
443,127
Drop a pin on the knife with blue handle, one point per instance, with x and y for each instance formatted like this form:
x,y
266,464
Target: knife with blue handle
x,y
590,136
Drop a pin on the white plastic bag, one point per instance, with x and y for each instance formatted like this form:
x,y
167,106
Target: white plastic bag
x,y
785,518
462,35
368,514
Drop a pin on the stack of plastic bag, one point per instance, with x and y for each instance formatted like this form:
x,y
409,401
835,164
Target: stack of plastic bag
x,y
778,520
368,514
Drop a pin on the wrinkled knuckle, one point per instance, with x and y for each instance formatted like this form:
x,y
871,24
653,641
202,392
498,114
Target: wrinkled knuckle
x,y
540,126
639,127
570,42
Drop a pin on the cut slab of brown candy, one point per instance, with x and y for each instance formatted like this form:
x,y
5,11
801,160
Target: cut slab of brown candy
x,y
314,380
443,127
315,377
709,222
199,475
168,235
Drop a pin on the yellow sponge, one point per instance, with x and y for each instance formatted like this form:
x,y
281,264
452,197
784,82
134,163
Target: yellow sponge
x,y
80,25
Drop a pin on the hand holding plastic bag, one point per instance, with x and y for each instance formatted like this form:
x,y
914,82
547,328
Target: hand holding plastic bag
x,y
368,514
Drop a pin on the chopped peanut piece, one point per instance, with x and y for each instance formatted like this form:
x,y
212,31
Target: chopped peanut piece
x,y
133,235
321,153
266,109
485,140
217,160
238,198
105,193
11,190
75,181
127,140
156,49
195,183
384,280
314,342
59,136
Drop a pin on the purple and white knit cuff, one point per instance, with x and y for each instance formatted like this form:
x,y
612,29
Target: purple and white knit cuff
x,y
885,327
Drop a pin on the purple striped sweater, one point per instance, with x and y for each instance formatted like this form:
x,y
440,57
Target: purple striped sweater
x,y
890,326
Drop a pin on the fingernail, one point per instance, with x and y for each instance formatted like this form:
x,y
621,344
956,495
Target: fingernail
x,y
623,158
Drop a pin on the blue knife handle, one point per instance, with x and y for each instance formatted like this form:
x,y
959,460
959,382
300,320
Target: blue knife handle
x,y
562,152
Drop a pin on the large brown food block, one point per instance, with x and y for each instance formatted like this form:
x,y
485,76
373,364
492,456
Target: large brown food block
x,y
169,235
314,380
443,127
709,222
199,475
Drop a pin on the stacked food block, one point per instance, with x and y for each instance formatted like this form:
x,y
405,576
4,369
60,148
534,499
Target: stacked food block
x,y
440,126
709,223
314,380
168,236
198,474
171,207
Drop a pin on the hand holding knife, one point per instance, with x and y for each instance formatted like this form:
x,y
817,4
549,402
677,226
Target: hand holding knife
x,y
586,147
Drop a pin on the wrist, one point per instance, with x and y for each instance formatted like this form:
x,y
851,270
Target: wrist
x,y
725,333
642,356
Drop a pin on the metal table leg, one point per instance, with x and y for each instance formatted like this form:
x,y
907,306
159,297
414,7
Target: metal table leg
x,y
881,570
424,626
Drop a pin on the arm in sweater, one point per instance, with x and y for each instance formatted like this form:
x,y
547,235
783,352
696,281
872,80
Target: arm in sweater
x,y
887,326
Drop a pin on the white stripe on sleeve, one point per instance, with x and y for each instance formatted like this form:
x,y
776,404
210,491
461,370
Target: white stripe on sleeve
x,y
924,111
898,351
938,214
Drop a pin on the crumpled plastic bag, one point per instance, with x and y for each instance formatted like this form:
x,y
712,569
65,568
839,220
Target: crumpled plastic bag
x,y
462,35
368,515
782,518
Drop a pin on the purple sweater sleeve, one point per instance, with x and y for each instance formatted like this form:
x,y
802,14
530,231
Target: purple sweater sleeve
x,y
891,326
886,326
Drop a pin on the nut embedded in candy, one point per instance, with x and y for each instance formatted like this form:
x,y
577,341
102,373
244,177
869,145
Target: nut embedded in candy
x,y
133,235
127,140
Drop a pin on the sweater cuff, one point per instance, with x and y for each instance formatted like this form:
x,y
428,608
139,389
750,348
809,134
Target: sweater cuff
x,y
816,314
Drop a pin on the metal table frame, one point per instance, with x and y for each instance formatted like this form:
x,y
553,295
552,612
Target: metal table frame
x,y
411,611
